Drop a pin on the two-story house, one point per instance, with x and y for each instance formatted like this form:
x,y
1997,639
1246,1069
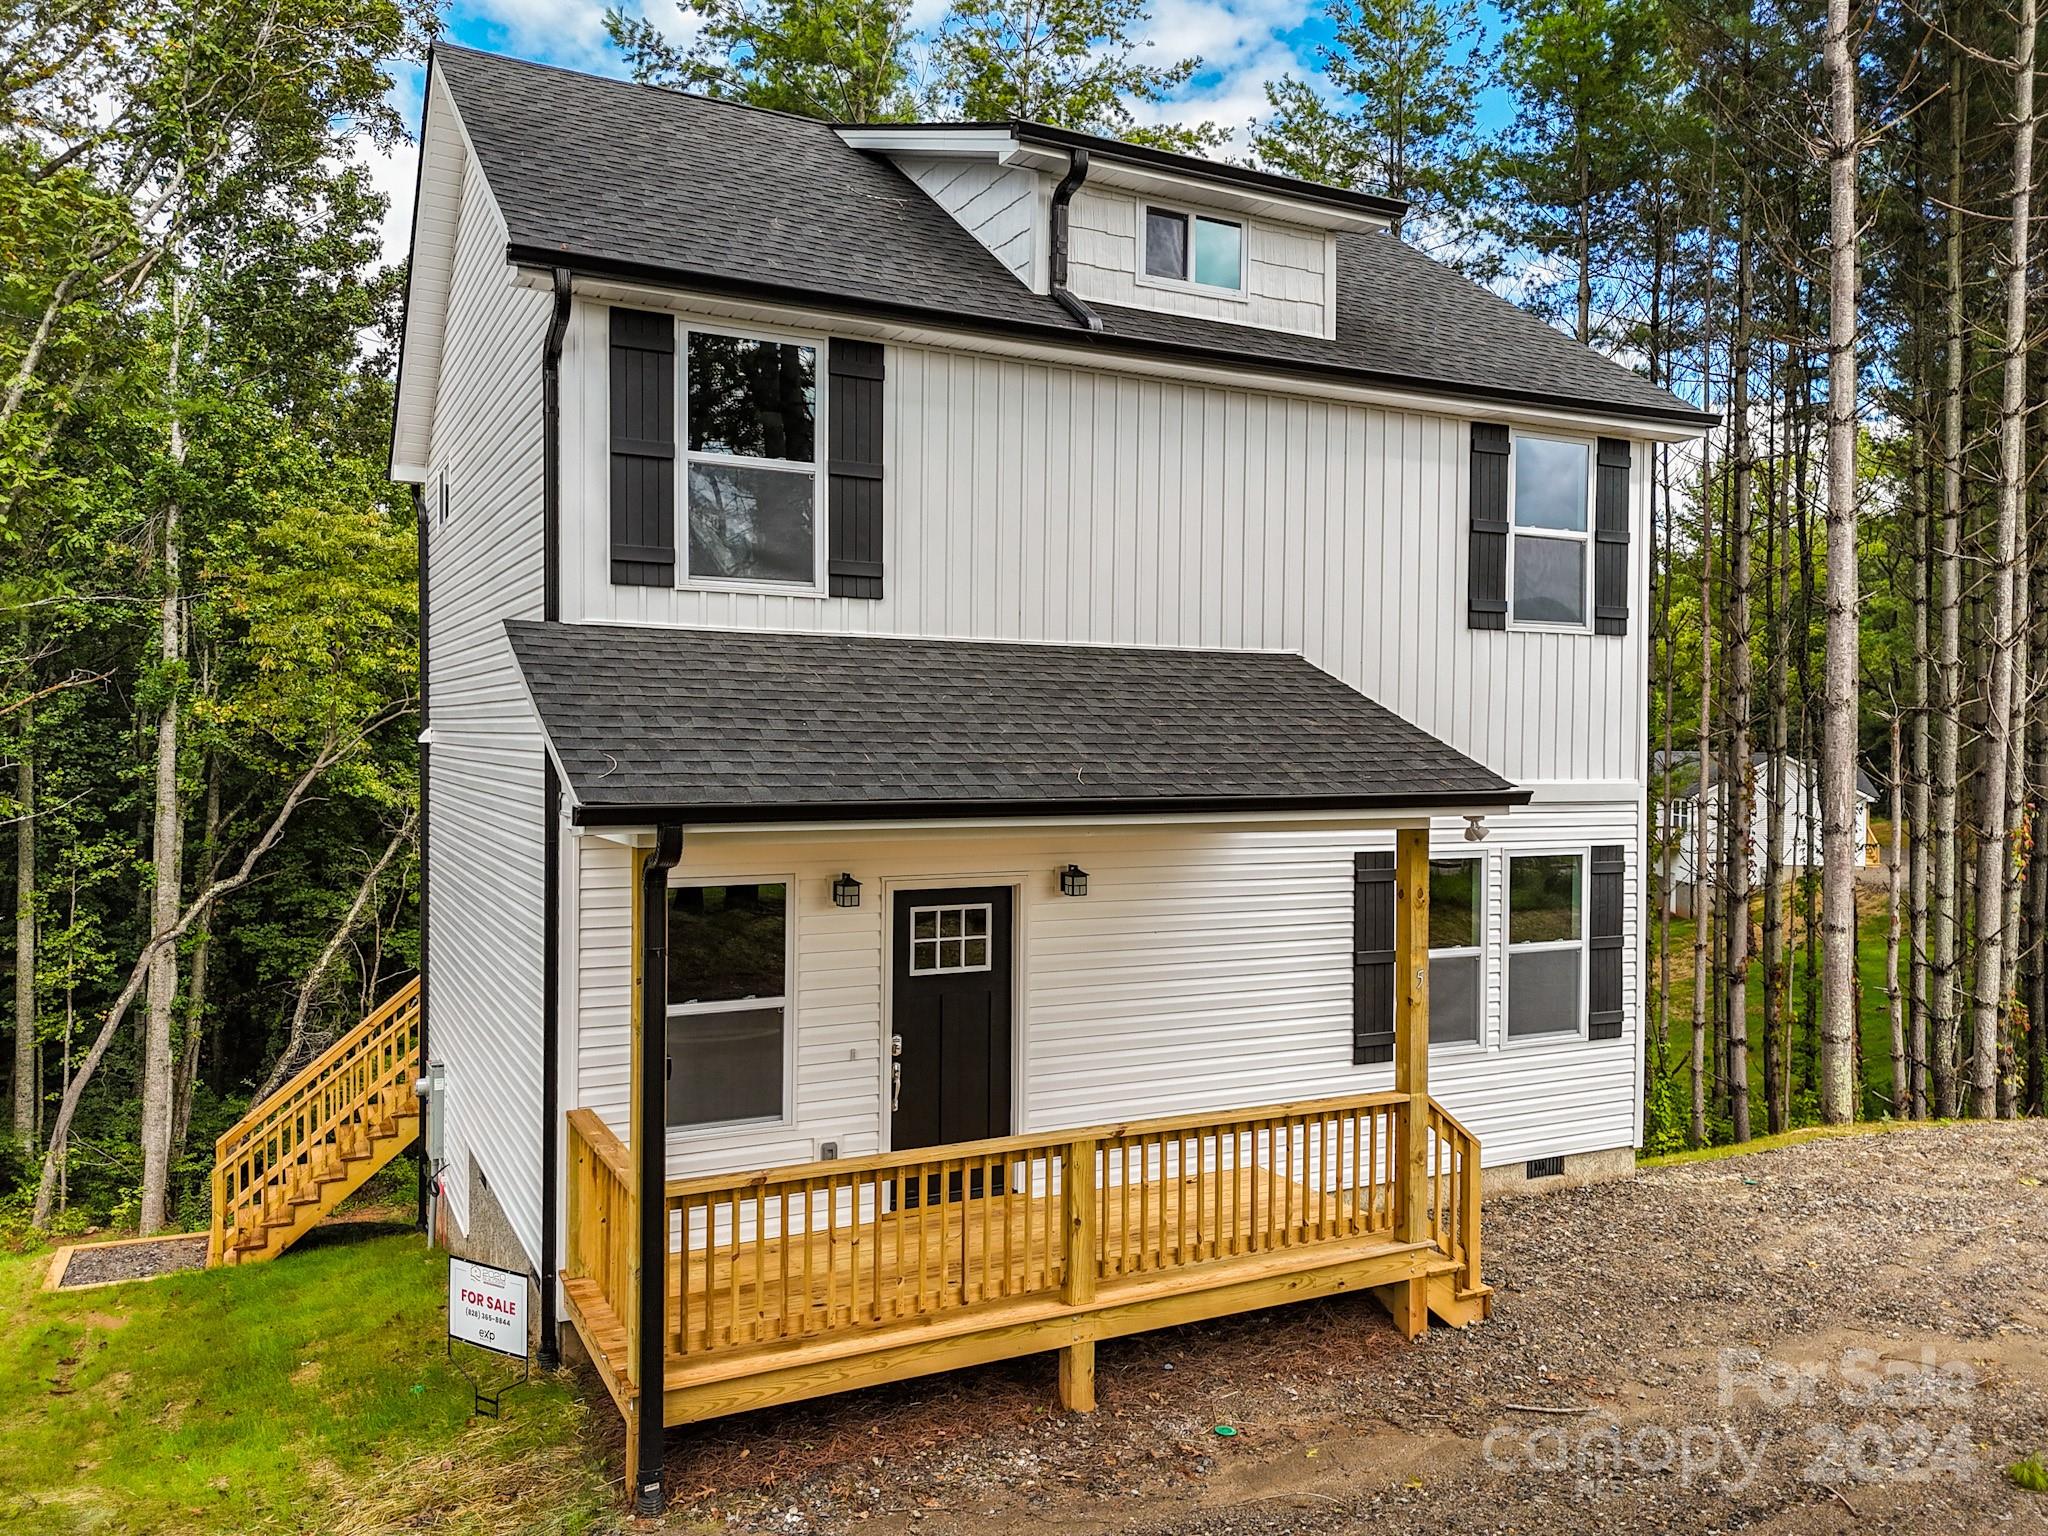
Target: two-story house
x,y
1027,737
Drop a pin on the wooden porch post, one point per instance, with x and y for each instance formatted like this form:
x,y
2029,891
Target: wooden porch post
x,y
1077,1198
647,1311
1409,1299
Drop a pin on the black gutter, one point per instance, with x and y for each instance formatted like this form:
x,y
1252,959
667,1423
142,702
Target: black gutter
x,y
1062,195
550,1354
650,1150
422,1159
1451,393
953,810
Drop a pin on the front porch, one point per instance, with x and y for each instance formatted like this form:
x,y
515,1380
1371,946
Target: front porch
x,y
827,1276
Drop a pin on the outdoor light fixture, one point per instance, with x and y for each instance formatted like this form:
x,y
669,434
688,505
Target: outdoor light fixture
x,y
1073,881
846,892
1475,829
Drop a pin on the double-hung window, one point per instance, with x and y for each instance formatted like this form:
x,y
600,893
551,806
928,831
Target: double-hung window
x,y
728,1003
754,485
1546,944
1549,513
1457,964
1193,248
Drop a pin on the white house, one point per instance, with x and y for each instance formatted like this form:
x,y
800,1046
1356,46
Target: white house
x,y
1679,813
990,647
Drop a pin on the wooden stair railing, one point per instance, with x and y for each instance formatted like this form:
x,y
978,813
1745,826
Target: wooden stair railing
x,y
295,1156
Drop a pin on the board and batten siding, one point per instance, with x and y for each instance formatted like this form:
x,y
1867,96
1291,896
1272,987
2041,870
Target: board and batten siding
x,y
485,789
1286,267
1208,968
1003,206
1025,501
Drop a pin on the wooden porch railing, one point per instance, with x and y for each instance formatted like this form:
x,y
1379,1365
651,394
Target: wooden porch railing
x,y
335,1096
863,1243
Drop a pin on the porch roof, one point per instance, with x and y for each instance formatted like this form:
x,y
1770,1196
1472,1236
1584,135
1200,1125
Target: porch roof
x,y
745,725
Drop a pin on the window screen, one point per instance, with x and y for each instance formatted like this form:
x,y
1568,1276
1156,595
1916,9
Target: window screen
x,y
1166,244
727,1002
1546,944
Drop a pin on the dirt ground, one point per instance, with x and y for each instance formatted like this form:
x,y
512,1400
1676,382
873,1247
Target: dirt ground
x,y
1842,1336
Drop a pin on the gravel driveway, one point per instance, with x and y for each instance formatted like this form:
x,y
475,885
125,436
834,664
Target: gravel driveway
x,y
1846,1335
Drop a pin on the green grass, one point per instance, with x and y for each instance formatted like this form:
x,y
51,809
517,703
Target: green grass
x,y
313,1392
1876,1029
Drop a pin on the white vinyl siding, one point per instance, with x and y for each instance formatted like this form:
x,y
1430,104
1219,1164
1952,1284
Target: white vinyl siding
x,y
1031,502
485,791
1207,968
1285,267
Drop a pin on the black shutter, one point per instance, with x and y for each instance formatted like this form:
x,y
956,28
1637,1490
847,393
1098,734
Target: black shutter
x,y
1372,958
854,452
643,390
1610,538
1603,929
1487,595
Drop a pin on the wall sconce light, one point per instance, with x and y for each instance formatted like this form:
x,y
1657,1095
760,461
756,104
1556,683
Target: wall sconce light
x,y
1073,881
846,892
1475,829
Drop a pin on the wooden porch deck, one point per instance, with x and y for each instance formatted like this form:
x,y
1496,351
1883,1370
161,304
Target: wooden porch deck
x,y
818,1278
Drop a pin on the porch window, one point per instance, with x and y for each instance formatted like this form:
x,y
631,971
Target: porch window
x,y
1549,514
728,1017
750,408
1456,952
1546,944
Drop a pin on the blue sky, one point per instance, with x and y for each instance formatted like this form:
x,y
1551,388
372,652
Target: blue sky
x,y
1243,44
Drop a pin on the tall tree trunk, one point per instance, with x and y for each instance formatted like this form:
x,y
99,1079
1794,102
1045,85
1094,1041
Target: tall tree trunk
x,y
1993,854
1948,657
167,834
27,1085
1901,1094
1915,1101
1777,1109
1841,666
187,1074
1702,848
1740,777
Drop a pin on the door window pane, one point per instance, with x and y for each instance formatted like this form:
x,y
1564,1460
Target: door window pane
x,y
1454,999
949,939
1550,580
757,398
1166,244
1543,991
750,524
725,1065
1219,253
727,943
1543,898
1551,483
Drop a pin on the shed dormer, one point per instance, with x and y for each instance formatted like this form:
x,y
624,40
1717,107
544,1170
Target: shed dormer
x,y
1144,228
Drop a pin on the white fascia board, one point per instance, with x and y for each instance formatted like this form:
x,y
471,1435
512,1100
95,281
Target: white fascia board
x,y
1417,818
1201,192
972,141
1086,355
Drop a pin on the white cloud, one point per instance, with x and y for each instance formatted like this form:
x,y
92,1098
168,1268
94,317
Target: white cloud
x,y
567,32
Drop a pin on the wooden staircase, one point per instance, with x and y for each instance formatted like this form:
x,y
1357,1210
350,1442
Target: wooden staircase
x,y
282,1168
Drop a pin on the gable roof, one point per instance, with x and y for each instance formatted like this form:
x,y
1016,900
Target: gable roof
x,y
743,725
612,178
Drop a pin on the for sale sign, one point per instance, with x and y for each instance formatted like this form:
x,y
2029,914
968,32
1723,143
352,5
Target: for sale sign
x,y
487,1307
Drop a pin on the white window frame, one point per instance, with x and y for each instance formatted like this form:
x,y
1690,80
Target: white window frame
x,y
1509,949
686,1133
1239,294
685,457
1473,951
988,936
1583,537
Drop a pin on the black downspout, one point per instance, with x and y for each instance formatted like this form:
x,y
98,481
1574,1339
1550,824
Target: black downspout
x,y
423,1164
550,1352
651,1149
1062,195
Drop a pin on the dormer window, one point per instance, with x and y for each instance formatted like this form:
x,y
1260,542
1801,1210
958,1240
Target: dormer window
x,y
1193,248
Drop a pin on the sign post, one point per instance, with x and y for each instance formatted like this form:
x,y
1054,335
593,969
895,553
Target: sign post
x,y
487,1308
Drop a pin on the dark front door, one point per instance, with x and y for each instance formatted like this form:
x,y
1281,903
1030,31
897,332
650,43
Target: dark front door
x,y
950,1016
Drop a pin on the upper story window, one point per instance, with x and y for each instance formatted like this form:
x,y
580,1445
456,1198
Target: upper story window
x,y
1194,248
1549,513
750,413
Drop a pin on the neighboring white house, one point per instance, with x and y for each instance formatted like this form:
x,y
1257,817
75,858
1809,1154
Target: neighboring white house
x,y
1799,843
1024,583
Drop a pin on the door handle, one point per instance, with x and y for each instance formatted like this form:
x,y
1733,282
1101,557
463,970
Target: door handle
x,y
895,1085
895,1045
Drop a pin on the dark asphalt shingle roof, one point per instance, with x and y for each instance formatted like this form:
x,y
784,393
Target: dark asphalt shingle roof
x,y
604,175
748,725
